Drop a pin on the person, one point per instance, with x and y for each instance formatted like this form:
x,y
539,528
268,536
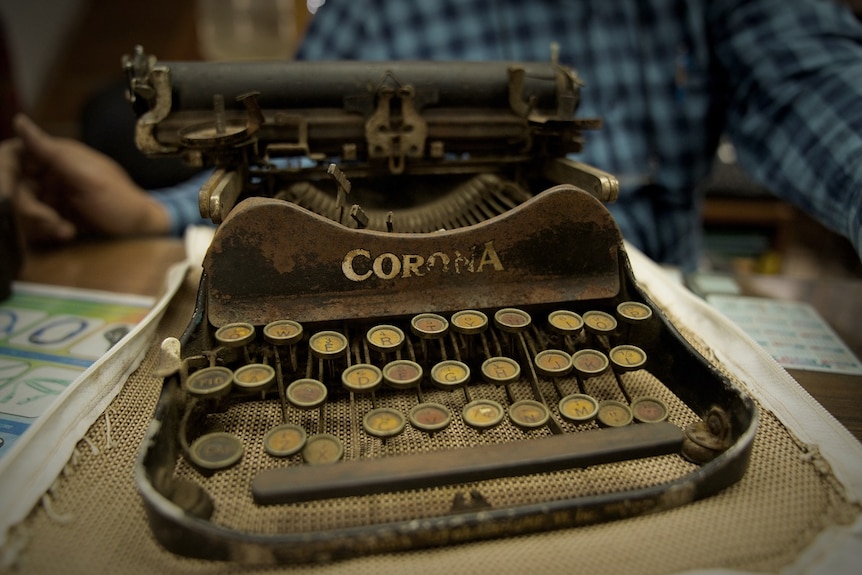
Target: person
x,y
783,80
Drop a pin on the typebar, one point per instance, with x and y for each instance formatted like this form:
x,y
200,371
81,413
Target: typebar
x,y
423,470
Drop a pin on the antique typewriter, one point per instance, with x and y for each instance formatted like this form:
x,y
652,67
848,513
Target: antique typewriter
x,y
416,324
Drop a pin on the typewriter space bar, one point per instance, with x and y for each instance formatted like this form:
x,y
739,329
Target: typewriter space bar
x,y
422,470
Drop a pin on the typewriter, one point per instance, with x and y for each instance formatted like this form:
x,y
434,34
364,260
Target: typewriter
x,y
416,323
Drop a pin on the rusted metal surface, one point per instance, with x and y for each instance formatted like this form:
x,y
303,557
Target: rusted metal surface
x,y
272,260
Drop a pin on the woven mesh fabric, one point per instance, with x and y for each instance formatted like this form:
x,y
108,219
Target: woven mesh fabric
x,y
93,520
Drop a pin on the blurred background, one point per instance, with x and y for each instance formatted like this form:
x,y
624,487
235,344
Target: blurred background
x,y
60,61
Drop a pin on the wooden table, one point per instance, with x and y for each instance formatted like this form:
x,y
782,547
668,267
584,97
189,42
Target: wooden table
x,y
138,266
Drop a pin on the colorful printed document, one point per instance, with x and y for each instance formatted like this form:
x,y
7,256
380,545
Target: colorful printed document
x,y
792,332
48,337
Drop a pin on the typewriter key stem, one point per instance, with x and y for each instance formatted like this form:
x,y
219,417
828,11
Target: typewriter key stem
x,y
626,358
539,410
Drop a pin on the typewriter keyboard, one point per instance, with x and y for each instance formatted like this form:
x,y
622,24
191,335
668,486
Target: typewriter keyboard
x,y
404,384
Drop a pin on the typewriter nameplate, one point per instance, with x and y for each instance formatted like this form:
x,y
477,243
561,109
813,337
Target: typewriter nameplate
x,y
272,259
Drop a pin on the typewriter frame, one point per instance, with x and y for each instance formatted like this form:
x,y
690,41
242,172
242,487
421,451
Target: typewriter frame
x,y
520,118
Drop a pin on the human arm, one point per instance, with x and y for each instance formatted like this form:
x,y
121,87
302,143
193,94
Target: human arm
x,y
794,73
63,189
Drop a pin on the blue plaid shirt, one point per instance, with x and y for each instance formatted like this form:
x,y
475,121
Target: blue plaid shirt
x,y
668,78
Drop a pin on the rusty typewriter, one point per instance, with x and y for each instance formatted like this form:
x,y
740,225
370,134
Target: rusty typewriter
x,y
416,325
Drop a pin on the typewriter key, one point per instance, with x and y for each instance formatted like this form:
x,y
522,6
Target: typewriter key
x,y
235,334
254,377
482,413
627,358
284,440
578,407
450,374
649,410
282,332
553,363
213,381
501,370
614,413
529,414
566,322
385,338
469,322
599,322
429,326
430,417
633,312
362,377
589,362
217,450
384,422
306,393
328,344
402,373
512,320
322,448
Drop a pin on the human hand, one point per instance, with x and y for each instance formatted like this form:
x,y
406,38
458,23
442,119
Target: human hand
x,y
63,189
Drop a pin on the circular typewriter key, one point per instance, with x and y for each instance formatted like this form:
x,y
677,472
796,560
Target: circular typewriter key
x,y
402,374
501,370
384,422
450,374
589,362
553,363
328,344
217,450
627,357
614,413
633,311
566,322
429,326
578,407
253,377
322,448
385,338
362,377
649,410
469,322
282,332
235,334
529,414
512,320
284,440
430,417
599,322
213,381
306,393
482,413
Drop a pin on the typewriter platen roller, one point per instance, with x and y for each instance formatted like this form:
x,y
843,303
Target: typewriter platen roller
x,y
416,324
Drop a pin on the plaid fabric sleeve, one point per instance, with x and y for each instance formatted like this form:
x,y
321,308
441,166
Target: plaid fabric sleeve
x,y
795,116
181,202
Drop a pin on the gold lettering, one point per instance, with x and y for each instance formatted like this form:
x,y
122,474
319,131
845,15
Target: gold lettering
x,y
394,266
386,266
347,265
411,265
432,261
489,256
